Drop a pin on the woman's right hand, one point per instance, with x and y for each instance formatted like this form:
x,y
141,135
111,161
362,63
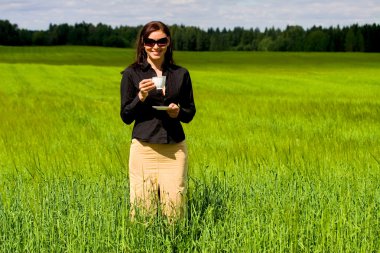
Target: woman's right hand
x,y
145,86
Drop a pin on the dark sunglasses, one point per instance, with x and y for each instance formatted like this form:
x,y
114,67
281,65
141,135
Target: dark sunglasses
x,y
151,42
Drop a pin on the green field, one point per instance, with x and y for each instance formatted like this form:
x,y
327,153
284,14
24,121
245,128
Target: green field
x,y
284,153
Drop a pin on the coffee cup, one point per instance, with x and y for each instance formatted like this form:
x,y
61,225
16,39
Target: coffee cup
x,y
159,82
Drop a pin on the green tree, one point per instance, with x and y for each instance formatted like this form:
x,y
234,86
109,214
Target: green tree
x,y
371,36
246,40
79,34
129,34
102,35
202,41
177,36
354,41
59,34
294,38
114,41
25,37
316,40
41,38
336,39
189,38
8,33
266,44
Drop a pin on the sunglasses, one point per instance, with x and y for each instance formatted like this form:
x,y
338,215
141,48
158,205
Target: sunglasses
x,y
151,42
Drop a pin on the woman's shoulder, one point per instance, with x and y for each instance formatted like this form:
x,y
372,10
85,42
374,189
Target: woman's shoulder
x,y
130,69
178,69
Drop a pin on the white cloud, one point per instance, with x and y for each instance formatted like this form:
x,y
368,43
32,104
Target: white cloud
x,y
38,14
179,2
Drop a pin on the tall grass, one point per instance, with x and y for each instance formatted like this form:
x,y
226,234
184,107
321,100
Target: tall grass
x,y
284,154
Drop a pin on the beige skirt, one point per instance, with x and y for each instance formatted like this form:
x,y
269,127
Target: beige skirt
x,y
158,178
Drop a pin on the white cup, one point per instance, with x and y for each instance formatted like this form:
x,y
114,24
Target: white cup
x,y
159,81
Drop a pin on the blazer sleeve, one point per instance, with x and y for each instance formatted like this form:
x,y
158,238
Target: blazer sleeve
x,y
129,98
187,105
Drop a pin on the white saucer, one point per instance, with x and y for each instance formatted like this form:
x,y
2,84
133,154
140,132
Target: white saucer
x,y
161,107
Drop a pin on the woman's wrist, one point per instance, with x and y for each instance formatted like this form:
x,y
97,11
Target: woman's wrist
x,y
141,97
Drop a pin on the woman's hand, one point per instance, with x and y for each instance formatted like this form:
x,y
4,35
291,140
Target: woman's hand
x,y
145,86
173,110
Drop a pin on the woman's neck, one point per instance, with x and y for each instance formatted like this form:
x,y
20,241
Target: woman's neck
x,y
156,65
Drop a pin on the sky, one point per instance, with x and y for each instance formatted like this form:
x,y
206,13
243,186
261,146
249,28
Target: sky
x,y
38,14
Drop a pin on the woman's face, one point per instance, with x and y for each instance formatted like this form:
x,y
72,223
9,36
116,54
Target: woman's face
x,y
155,46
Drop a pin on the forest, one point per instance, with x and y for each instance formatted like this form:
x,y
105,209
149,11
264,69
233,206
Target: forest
x,y
294,38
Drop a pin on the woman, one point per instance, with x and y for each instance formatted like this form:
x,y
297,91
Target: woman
x,y
158,152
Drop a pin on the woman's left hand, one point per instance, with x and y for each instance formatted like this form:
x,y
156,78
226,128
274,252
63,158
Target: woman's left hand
x,y
173,110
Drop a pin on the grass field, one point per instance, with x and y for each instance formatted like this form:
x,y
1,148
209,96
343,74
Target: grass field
x,y
284,153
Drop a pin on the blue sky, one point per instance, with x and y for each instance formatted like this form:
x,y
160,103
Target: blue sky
x,y
38,14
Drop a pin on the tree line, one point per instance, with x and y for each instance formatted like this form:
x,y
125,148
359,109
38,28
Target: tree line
x,y
354,38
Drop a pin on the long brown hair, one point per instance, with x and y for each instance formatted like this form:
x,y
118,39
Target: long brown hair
x,y
147,29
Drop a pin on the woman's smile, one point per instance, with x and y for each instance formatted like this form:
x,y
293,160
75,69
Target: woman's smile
x,y
155,52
